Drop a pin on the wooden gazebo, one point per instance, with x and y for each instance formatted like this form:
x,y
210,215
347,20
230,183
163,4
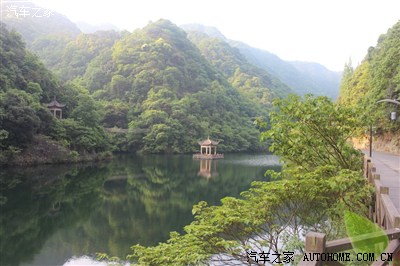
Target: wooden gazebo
x,y
55,108
208,150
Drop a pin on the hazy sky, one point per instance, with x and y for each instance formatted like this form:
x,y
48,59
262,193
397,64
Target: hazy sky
x,y
324,31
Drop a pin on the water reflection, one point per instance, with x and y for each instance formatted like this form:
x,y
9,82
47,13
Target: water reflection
x,y
208,168
51,214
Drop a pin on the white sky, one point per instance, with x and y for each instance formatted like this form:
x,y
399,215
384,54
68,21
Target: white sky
x,y
325,31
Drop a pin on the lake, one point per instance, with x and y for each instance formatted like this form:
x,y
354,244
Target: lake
x,y
65,214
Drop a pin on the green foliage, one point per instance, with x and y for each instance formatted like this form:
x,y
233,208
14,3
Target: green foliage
x,y
18,117
74,155
85,112
376,78
314,132
114,113
80,137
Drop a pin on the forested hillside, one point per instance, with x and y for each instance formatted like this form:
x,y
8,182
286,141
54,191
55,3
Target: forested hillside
x,y
255,82
25,86
376,78
170,95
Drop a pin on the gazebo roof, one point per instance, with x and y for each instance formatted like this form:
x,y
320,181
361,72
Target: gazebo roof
x,y
54,104
208,142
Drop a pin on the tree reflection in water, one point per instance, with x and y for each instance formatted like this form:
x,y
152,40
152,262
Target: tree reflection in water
x,y
50,214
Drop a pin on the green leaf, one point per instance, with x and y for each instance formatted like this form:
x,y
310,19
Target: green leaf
x,y
356,226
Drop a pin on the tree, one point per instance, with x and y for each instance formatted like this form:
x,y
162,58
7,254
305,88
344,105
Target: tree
x,y
86,111
18,117
119,86
314,132
346,80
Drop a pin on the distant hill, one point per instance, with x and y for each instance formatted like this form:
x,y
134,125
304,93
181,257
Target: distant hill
x,y
36,23
323,79
301,77
253,81
89,28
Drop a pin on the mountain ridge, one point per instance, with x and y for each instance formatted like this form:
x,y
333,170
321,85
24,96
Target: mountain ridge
x,y
321,82
301,81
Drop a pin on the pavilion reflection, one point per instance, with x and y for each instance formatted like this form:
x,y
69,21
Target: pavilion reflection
x,y
208,168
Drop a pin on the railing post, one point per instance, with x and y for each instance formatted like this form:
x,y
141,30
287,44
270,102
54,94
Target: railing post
x,y
315,243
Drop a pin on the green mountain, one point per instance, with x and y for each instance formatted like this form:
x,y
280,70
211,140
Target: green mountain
x,y
301,77
171,95
376,78
250,80
155,91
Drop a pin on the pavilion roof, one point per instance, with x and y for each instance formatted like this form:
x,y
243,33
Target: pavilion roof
x,y
54,104
208,142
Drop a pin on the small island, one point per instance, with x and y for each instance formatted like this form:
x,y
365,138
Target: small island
x,y
210,150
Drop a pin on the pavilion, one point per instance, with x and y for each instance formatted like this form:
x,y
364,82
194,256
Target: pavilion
x,y
208,150
55,108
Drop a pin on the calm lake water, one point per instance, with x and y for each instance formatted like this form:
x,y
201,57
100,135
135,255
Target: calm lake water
x,y
59,215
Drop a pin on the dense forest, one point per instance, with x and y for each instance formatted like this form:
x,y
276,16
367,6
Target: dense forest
x,y
376,78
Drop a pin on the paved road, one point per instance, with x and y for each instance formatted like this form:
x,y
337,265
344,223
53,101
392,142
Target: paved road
x,y
388,166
